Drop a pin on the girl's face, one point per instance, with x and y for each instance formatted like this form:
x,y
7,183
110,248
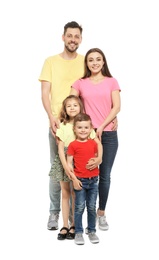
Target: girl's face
x,y
72,108
82,130
95,62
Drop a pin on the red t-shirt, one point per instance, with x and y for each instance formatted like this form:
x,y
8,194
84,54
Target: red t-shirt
x,y
82,152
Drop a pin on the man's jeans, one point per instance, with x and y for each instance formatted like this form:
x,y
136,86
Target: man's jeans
x,y
110,146
87,196
54,187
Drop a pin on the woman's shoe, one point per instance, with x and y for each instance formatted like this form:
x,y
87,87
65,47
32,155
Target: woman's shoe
x,y
63,236
71,235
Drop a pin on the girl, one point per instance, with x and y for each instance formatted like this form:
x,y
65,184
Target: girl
x,y
60,171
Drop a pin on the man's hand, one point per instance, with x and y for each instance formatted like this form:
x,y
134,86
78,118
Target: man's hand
x,y
54,124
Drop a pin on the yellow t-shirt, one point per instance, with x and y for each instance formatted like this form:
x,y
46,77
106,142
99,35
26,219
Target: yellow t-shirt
x,y
66,134
61,74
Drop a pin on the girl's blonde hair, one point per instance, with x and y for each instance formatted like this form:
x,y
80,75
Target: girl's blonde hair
x,y
63,115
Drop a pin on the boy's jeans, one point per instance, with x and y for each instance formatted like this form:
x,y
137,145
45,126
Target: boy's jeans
x,y
87,196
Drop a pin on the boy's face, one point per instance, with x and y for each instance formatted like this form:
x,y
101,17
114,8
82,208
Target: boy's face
x,y
82,129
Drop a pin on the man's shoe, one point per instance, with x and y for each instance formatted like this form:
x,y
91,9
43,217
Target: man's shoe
x,y
53,221
102,223
79,240
93,237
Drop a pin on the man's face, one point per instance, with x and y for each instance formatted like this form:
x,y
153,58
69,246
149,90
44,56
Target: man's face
x,y
72,39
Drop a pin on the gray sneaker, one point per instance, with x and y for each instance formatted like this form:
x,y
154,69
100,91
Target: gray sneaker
x,y
79,240
102,223
53,221
93,237
86,230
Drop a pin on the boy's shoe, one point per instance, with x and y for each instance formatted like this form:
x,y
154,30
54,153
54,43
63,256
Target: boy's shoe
x,y
93,237
102,223
86,230
53,221
79,240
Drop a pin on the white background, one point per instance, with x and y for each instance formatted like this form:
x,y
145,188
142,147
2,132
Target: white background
x,y
30,31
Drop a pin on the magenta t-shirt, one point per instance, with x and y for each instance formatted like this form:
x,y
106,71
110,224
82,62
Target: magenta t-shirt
x,y
97,98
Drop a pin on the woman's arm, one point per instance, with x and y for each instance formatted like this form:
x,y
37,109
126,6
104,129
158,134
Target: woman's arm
x,y
94,162
116,99
113,113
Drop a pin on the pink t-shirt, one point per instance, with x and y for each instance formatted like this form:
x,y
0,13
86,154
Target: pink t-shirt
x,y
97,98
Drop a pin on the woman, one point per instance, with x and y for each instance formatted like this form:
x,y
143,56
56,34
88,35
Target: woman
x,y
100,93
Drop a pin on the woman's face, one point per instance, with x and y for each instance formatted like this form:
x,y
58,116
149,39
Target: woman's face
x,y
95,62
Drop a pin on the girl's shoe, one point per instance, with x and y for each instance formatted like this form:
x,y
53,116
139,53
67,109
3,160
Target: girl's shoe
x,y
63,236
71,235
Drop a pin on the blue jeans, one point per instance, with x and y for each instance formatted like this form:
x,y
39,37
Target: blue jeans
x,y
87,196
54,187
110,146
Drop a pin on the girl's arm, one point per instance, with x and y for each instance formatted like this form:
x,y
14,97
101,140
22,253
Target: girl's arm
x,y
63,158
76,183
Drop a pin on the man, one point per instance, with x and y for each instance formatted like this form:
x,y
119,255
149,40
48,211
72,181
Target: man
x,y
57,75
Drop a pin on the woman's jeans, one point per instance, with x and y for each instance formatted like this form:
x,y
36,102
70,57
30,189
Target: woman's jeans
x,y
54,187
87,196
110,146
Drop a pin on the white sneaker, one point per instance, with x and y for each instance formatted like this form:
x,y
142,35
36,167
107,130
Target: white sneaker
x,y
102,223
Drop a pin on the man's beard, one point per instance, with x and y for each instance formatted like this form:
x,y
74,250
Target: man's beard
x,y
70,50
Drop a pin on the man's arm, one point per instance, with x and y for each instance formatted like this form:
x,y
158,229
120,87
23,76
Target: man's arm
x,y
45,93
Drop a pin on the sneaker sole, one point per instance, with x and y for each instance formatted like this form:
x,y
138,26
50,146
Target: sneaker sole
x,y
79,243
103,228
53,228
94,242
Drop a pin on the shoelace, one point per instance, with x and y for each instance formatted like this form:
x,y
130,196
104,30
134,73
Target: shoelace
x,y
54,217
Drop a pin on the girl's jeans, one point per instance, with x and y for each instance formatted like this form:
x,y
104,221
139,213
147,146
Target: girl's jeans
x,y
110,146
86,197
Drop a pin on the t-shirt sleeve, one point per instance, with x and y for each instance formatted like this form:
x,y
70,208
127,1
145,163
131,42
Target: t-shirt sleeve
x,y
46,72
93,134
70,150
60,133
115,85
76,86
